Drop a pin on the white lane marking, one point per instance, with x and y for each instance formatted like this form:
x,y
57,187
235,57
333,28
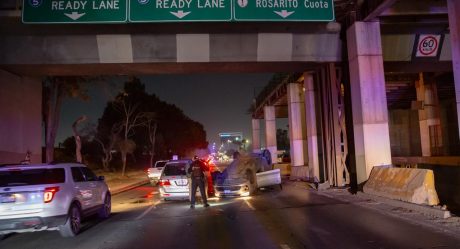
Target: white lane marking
x,y
154,205
250,205
284,246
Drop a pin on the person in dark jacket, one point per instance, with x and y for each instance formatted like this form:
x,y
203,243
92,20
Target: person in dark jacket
x,y
197,174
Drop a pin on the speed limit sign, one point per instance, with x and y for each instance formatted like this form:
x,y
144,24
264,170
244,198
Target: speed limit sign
x,y
428,45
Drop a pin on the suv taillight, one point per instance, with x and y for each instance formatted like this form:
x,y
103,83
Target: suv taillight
x,y
49,194
165,183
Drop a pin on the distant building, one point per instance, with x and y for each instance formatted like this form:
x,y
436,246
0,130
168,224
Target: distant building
x,y
231,140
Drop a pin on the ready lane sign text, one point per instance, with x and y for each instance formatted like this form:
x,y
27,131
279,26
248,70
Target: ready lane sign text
x,y
180,10
122,11
75,11
284,10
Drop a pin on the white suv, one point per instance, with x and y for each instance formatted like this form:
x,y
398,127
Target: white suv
x,y
173,182
50,197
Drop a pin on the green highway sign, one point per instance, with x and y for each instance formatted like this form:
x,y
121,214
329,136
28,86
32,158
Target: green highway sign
x,y
283,10
180,10
117,11
75,11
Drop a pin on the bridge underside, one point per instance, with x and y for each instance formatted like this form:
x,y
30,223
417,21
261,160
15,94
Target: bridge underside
x,y
158,68
39,70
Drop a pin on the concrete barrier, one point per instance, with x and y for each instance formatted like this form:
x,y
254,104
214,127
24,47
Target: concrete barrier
x,y
299,173
410,185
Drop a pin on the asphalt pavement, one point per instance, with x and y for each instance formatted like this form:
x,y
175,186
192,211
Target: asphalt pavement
x,y
290,218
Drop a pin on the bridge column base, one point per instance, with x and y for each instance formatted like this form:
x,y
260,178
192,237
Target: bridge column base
x,y
299,173
21,117
270,131
255,135
368,98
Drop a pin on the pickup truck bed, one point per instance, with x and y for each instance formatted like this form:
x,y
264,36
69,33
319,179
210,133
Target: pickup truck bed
x,y
268,178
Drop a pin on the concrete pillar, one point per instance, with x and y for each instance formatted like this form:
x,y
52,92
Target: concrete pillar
x,y
368,97
270,131
297,134
429,115
312,134
20,118
255,135
453,7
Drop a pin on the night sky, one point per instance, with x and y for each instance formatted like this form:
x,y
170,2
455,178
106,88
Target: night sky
x,y
218,101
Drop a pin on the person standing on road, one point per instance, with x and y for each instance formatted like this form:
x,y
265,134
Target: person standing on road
x,y
197,174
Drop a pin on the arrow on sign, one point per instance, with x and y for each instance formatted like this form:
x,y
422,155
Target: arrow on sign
x,y
180,14
284,13
75,15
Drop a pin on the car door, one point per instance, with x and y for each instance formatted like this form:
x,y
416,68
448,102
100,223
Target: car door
x,y
83,191
94,184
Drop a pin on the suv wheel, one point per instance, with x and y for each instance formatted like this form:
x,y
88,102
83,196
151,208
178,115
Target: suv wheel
x,y
106,208
72,225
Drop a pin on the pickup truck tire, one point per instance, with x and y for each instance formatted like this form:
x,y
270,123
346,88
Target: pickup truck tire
x,y
72,225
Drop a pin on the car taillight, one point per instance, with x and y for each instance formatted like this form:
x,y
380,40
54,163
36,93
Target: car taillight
x,y
49,194
165,183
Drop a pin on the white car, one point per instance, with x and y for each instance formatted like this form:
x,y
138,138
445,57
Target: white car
x,y
50,197
173,182
154,172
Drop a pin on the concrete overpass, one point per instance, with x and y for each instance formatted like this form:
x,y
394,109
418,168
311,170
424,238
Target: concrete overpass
x,y
381,105
346,61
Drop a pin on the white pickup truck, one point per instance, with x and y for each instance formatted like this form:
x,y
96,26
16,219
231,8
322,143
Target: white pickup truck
x,y
154,171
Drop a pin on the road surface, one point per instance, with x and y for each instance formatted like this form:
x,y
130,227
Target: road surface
x,y
289,218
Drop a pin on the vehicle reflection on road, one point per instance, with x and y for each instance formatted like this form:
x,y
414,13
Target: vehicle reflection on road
x,y
146,196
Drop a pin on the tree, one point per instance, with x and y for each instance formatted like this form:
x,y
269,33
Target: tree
x,y
77,135
131,119
55,89
152,127
169,132
108,143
